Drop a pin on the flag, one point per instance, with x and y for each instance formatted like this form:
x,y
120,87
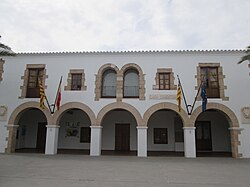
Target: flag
x,y
204,96
178,97
58,97
42,94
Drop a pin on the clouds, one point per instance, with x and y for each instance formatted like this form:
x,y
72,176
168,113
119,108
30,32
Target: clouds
x,y
61,25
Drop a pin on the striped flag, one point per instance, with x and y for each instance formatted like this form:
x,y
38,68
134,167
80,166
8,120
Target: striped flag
x,y
178,97
58,97
42,94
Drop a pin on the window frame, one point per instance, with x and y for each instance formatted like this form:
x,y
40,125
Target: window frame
x,y
34,91
209,82
166,81
85,137
102,86
78,86
160,132
160,71
220,76
25,78
69,86
138,86
1,68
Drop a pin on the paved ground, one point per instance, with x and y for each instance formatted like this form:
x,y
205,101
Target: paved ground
x,y
24,170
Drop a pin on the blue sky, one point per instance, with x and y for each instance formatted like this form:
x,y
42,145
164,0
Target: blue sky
x,y
94,25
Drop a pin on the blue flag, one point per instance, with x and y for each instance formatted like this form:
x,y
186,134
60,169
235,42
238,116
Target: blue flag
x,y
204,96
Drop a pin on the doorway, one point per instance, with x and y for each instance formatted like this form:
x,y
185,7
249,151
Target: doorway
x,y
203,136
122,137
41,136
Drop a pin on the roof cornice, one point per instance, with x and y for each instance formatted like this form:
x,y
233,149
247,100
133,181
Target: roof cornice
x,y
133,51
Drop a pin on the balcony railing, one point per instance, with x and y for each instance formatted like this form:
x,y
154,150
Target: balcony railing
x,y
131,91
109,91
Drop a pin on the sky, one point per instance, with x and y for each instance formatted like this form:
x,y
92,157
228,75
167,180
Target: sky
x,y
124,25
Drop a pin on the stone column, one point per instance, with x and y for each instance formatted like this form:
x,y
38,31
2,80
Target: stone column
x,y
235,132
142,141
189,142
11,144
51,139
96,140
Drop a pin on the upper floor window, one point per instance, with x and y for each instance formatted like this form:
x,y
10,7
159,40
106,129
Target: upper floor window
x,y
32,74
128,82
131,83
33,90
1,68
76,80
164,79
109,83
210,76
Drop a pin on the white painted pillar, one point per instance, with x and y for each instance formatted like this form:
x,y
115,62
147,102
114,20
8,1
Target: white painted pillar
x,y
51,139
96,140
142,141
189,142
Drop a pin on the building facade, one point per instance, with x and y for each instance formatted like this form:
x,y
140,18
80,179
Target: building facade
x,y
125,102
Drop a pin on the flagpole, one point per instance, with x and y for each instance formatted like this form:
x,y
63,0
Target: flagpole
x,y
54,105
48,104
183,95
196,97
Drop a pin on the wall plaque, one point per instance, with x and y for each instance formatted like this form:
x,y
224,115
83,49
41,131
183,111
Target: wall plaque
x,y
163,96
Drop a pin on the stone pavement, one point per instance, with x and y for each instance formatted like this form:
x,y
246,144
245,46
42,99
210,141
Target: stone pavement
x,y
62,170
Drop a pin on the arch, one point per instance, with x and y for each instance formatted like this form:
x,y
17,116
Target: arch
x,y
105,67
15,115
131,66
166,105
58,114
233,121
120,105
235,131
98,82
141,78
14,118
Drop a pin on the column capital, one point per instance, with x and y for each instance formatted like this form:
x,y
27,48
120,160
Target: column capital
x,y
52,126
235,129
95,127
189,128
142,127
13,126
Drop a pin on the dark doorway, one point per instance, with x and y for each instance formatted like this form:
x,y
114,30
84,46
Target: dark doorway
x,y
203,136
41,136
122,137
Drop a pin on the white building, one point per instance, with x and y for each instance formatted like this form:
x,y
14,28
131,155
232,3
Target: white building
x,y
125,102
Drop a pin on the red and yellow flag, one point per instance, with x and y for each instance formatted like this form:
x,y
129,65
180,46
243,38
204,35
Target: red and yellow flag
x,y
58,98
42,94
178,97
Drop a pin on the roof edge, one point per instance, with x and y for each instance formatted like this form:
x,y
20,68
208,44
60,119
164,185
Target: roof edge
x,y
132,51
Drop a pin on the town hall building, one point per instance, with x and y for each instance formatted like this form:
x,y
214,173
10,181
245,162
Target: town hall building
x,y
124,103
